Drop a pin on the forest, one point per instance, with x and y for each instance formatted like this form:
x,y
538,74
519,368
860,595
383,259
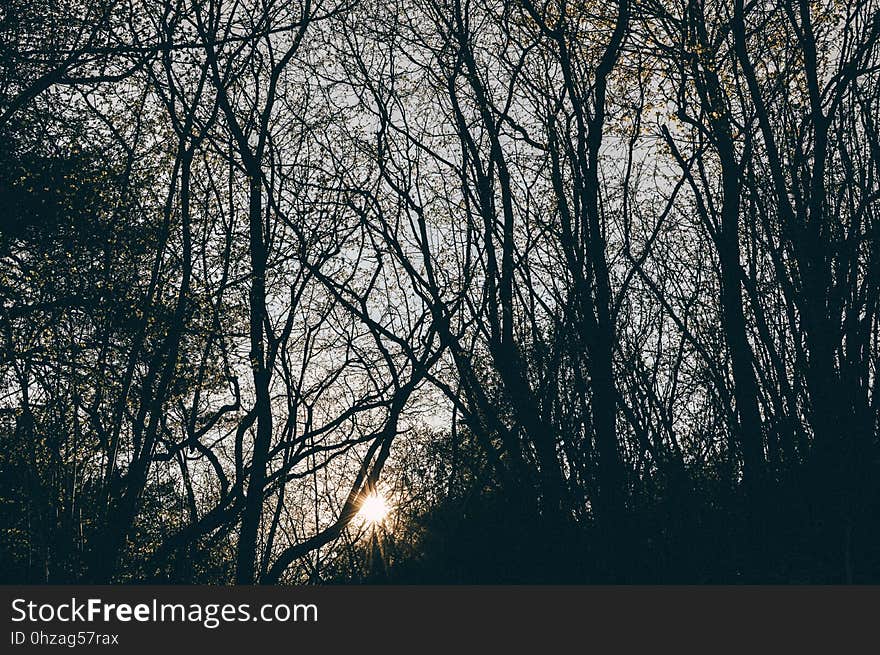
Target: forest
x,y
439,291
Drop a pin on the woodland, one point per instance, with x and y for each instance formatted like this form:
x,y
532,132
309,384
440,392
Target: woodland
x,y
439,291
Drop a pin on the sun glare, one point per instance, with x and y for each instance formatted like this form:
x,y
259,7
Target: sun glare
x,y
373,508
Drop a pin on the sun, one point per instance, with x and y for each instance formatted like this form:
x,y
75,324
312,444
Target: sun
x,y
373,509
